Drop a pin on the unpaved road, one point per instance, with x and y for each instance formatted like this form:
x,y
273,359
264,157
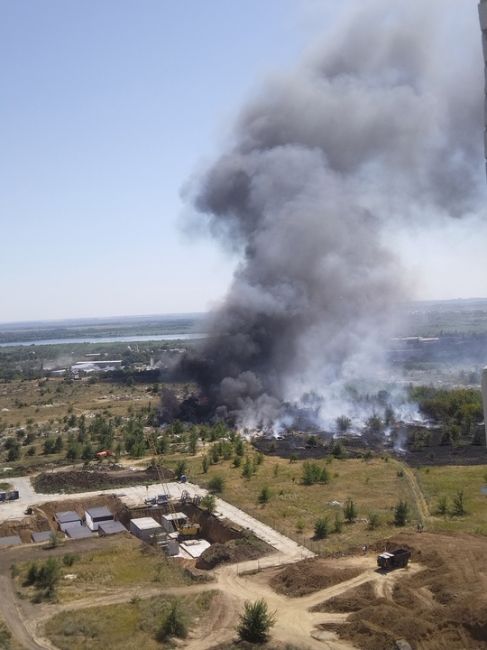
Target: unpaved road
x,y
295,624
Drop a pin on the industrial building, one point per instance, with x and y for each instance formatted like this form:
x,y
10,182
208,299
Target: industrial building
x,y
78,532
11,540
67,518
111,528
145,528
41,536
95,516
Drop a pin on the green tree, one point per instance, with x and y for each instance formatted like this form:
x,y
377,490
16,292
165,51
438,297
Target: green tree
x,y
48,577
322,528
216,484
209,503
256,622
205,463
265,495
458,507
173,624
442,507
374,521
401,513
350,511
180,469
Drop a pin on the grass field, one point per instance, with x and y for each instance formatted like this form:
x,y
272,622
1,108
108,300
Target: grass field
x,y
375,486
41,401
123,563
437,482
132,626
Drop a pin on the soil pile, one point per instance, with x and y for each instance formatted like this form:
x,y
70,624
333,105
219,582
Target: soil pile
x,y
442,606
308,576
236,550
88,480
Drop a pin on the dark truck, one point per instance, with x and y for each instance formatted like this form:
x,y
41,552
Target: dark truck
x,y
397,559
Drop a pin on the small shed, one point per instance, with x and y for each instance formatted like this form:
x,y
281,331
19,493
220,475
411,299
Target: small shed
x,y
67,518
78,532
11,540
41,536
145,528
111,528
173,520
95,516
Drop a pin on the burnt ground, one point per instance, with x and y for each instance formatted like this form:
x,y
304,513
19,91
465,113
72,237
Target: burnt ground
x,y
434,453
90,480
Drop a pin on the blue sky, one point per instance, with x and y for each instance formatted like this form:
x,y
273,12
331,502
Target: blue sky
x,y
106,109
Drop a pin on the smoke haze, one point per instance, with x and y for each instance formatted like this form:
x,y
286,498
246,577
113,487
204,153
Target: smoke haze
x,y
378,128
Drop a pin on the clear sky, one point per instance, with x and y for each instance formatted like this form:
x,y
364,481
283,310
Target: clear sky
x,y
106,108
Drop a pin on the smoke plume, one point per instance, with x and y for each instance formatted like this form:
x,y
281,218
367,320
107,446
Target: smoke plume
x,y
379,126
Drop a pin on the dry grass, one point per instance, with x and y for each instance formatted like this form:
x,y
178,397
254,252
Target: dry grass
x,y
130,626
125,562
374,486
437,482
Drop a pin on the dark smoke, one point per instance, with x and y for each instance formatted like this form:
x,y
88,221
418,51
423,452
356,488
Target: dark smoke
x,y
368,132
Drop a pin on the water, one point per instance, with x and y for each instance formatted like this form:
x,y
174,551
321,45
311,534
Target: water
x,y
108,339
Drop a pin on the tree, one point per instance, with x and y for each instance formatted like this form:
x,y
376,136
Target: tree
x,y
13,453
180,469
216,484
321,528
350,512
209,502
343,423
256,622
442,507
193,441
374,521
32,573
48,576
265,495
205,463
173,624
458,509
401,513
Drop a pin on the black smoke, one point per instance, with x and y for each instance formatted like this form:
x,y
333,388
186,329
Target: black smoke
x,y
380,125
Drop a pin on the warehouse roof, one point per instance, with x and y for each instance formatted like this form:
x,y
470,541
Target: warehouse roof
x,y
112,527
42,536
145,523
11,540
175,516
78,532
101,511
67,516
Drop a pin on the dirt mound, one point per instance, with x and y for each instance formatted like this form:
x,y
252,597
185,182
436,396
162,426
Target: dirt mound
x,y
236,550
442,606
308,576
352,600
90,480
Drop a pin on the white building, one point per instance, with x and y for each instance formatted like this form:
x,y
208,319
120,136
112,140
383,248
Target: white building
x,y
95,516
145,528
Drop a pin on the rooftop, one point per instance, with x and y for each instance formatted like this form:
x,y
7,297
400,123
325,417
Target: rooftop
x,y
100,511
144,523
42,536
67,516
175,516
78,532
112,527
11,540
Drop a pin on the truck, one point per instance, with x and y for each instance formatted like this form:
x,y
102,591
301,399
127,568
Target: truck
x,y
397,559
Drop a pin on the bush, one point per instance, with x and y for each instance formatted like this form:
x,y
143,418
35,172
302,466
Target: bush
x,y
374,521
265,495
321,528
313,473
173,624
216,484
458,509
338,523
442,507
401,513
255,622
209,502
350,511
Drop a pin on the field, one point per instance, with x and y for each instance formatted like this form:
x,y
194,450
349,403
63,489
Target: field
x,y
375,486
132,625
438,482
122,563
44,401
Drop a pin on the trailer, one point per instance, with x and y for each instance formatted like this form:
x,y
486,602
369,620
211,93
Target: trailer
x,y
397,559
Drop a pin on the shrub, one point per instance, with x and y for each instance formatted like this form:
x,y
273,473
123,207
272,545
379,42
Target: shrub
x,y
374,521
173,624
209,502
458,509
350,511
265,495
401,513
442,507
255,622
338,523
216,484
321,528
